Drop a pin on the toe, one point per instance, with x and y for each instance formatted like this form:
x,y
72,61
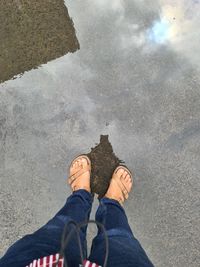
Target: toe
x,y
80,163
127,178
72,166
73,169
77,163
84,162
120,172
124,175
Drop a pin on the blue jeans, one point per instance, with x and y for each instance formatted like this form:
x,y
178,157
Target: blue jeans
x,y
124,249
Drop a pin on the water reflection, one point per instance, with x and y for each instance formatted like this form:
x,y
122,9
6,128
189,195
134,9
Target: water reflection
x,y
143,93
160,32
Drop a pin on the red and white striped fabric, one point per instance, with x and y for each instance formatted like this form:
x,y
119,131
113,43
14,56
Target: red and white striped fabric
x,y
50,261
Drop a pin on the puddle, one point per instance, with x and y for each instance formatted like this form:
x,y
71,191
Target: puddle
x,y
140,92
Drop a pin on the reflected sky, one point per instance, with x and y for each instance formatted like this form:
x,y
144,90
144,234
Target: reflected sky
x,y
133,58
178,26
136,78
160,32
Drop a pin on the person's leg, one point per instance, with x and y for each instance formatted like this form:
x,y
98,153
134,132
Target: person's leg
x,y
47,240
124,248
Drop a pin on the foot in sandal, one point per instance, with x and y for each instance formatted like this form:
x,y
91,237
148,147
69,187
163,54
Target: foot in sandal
x,y
79,173
120,184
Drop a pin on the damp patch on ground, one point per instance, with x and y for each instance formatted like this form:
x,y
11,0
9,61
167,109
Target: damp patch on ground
x,y
33,32
104,161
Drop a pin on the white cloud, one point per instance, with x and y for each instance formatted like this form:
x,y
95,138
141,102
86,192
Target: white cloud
x,y
115,5
178,27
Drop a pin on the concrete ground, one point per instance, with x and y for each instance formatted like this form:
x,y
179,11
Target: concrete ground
x,y
136,78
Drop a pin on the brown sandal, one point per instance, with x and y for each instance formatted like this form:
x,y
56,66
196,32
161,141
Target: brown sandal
x,y
124,192
72,180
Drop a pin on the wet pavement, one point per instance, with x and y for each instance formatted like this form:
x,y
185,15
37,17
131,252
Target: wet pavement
x,y
136,78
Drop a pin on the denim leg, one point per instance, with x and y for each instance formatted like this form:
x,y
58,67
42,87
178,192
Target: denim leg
x,y
47,240
124,248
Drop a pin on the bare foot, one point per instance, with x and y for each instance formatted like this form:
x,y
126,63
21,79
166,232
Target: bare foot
x,y
79,173
120,184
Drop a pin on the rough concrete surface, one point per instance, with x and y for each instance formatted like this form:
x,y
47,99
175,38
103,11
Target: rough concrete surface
x,y
33,32
126,82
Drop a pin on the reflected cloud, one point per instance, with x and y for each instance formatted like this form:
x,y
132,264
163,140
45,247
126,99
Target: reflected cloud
x,y
178,27
115,84
115,5
115,72
160,32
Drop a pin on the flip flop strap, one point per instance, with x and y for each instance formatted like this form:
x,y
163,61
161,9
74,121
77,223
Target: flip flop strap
x,y
123,189
74,176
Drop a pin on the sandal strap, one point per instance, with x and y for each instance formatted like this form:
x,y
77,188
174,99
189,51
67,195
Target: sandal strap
x,y
125,191
84,169
121,185
121,189
73,177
